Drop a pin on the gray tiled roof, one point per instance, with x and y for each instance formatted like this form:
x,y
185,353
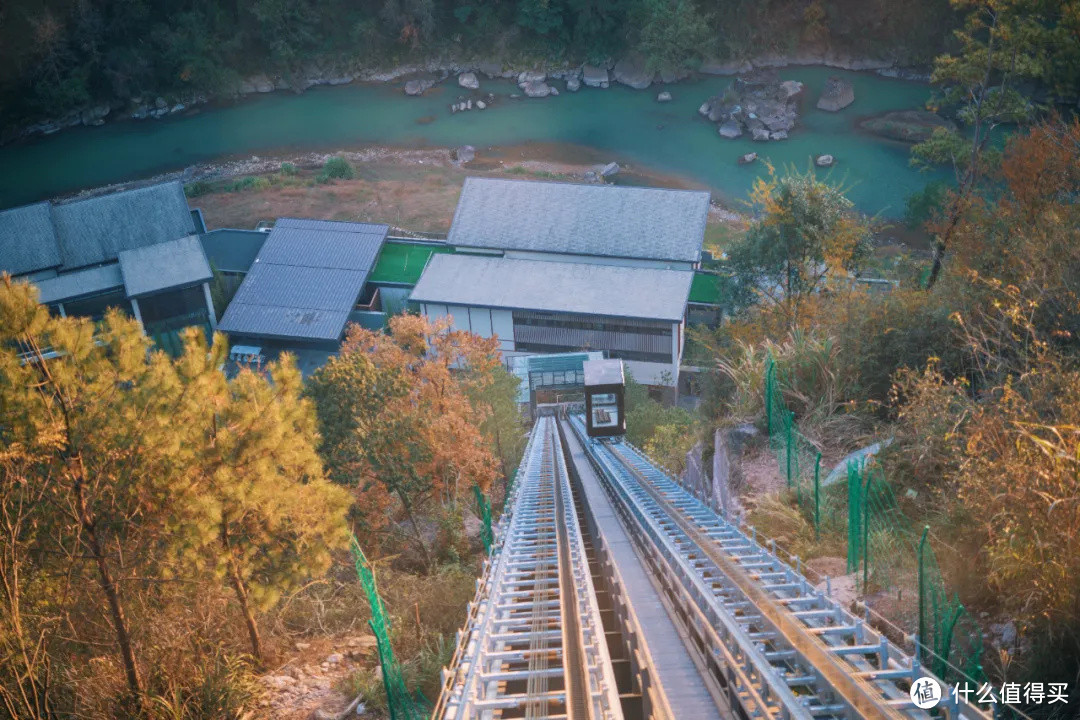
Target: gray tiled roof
x,y
27,240
586,288
86,232
97,229
305,281
648,223
176,263
88,281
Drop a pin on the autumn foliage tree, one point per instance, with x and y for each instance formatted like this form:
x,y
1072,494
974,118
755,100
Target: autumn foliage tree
x,y
401,417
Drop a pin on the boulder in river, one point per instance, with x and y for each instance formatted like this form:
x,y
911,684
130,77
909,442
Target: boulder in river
x,y
760,134
420,84
465,154
536,89
531,76
791,88
824,161
480,105
610,170
837,94
573,84
665,96
906,125
468,81
747,158
730,129
631,70
595,77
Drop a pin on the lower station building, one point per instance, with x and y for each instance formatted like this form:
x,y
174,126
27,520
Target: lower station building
x,y
636,314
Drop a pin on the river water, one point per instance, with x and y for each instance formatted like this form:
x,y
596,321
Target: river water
x,y
627,124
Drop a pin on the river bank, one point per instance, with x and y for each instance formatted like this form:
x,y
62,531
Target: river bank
x,y
616,124
436,71
415,191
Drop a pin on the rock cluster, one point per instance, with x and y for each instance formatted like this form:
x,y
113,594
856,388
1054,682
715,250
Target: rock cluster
x,y
420,84
304,687
906,125
758,104
837,95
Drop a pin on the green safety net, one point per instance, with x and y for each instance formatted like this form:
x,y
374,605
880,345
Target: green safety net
x,y
483,506
402,704
798,459
886,554
882,549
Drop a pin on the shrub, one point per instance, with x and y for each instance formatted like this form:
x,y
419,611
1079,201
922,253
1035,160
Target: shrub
x,y
336,168
249,182
197,188
287,168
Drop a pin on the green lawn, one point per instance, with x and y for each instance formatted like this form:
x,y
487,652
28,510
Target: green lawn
x,y
403,262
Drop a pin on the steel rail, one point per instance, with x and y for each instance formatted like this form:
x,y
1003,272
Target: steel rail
x,y
833,663
534,645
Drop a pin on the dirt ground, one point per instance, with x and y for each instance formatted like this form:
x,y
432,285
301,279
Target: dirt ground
x,y
413,190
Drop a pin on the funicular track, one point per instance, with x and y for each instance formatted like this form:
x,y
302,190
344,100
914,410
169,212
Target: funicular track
x,y
534,645
777,646
553,608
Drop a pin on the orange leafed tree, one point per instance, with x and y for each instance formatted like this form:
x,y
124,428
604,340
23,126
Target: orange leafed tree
x,y
400,424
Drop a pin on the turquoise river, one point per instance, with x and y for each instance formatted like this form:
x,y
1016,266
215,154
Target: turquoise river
x,y
627,125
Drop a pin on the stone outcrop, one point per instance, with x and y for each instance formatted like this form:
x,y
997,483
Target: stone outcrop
x,y
837,95
533,76
730,129
536,89
906,125
594,77
631,70
420,84
758,104
468,81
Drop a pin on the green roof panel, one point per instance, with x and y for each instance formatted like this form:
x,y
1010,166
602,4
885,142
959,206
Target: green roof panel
x,y
403,262
705,289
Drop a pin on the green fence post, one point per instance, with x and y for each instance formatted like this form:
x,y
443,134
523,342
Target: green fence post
x,y
922,595
866,533
817,496
790,416
768,395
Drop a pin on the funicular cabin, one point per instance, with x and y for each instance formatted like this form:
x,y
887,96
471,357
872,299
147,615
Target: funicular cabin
x,y
605,398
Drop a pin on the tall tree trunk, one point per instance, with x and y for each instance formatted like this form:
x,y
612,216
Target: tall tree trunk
x,y
112,594
416,529
245,608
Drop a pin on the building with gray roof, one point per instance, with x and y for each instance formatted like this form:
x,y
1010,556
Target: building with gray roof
x,y
547,220
560,287
135,250
633,313
306,281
